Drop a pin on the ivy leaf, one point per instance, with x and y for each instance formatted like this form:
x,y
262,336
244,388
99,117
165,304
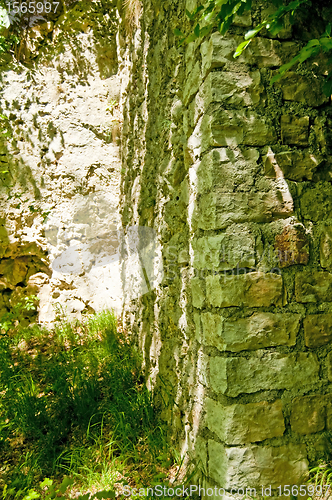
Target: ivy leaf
x,y
248,5
196,30
208,17
305,53
241,9
225,11
67,481
190,15
205,31
292,18
198,9
241,48
312,43
191,38
328,29
252,33
326,43
32,495
276,27
177,32
220,3
223,26
46,483
283,69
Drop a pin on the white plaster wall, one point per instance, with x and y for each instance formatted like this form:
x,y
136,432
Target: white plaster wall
x,y
68,146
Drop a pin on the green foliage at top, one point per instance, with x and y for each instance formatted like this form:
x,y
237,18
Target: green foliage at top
x,y
312,48
220,14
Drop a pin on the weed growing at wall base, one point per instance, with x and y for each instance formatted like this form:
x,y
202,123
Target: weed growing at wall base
x,y
74,402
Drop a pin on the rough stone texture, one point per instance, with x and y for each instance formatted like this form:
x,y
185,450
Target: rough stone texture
x,y
316,202
251,289
329,365
14,271
329,417
219,50
217,166
303,89
258,331
326,249
292,246
255,466
313,286
317,330
218,209
238,424
294,165
225,251
198,296
229,128
227,170
216,52
308,414
231,88
295,130
233,376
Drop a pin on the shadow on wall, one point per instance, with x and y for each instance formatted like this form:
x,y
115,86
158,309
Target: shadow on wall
x,y
154,188
21,256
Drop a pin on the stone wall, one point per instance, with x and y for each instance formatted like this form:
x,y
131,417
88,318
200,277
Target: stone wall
x,y
234,177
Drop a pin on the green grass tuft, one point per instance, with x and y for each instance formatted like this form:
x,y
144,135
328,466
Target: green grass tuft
x,y
74,403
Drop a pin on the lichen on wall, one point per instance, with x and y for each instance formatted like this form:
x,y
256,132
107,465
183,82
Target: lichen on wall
x,y
233,175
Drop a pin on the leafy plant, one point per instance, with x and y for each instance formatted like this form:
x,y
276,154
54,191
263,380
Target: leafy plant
x,y
12,318
221,14
47,490
320,481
